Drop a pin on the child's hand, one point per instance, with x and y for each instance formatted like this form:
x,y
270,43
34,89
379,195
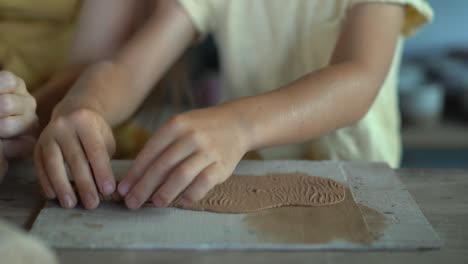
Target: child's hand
x,y
188,156
83,140
18,120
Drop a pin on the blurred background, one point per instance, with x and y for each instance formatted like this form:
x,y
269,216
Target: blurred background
x,y
434,90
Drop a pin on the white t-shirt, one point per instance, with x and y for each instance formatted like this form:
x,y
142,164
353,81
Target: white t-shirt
x,y
266,44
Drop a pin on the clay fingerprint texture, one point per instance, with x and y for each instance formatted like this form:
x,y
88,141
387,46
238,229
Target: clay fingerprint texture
x,y
243,193
240,194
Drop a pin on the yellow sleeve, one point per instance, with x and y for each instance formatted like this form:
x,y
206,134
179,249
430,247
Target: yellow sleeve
x,y
202,14
418,13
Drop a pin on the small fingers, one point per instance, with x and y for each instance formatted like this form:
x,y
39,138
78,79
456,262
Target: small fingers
x,y
57,175
99,159
152,149
154,176
13,104
12,126
180,178
41,174
21,88
79,168
8,82
203,183
11,84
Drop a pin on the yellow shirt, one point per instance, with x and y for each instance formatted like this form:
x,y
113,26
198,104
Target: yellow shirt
x,y
35,36
265,44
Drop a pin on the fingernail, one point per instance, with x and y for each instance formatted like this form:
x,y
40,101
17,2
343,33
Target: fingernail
x,y
91,200
158,202
7,80
108,187
131,202
68,201
123,188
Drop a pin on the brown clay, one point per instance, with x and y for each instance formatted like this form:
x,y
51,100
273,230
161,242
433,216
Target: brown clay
x,y
241,194
306,225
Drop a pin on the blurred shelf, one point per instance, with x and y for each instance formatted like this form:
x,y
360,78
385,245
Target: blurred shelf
x,y
443,136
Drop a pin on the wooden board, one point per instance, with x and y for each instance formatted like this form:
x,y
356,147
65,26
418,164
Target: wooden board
x,y
111,226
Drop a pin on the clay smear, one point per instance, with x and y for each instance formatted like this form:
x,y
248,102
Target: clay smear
x,y
241,194
300,225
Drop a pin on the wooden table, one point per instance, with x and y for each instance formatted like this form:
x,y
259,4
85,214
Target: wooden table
x,y
441,194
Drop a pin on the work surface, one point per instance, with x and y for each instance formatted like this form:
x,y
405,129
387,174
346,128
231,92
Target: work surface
x,y
378,213
441,194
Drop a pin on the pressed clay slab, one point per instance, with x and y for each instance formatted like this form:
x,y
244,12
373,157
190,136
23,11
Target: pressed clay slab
x,y
253,193
377,213
246,193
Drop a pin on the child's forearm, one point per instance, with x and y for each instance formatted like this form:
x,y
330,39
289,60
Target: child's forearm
x,y
333,97
128,78
50,93
103,27
101,30
319,103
